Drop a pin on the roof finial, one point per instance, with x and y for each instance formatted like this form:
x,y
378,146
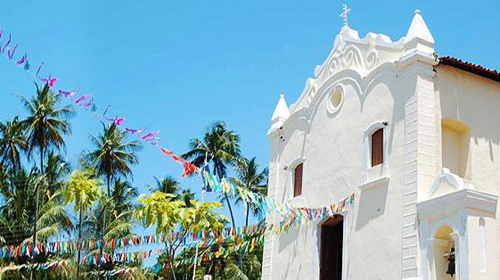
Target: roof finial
x,y
344,14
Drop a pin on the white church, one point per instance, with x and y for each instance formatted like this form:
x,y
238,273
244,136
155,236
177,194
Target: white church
x,y
416,137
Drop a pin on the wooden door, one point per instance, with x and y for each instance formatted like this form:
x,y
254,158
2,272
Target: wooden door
x,y
331,248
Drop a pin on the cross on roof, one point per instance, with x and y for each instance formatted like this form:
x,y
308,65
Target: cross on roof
x,y
344,14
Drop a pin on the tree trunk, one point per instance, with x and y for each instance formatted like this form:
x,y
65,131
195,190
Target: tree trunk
x,y
32,273
101,251
219,170
79,243
230,211
248,214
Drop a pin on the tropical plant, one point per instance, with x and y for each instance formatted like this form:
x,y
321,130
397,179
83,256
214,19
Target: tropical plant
x,y
83,190
17,187
220,147
187,196
250,178
167,185
56,171
12,142
112,157
46,124
123,196
169,216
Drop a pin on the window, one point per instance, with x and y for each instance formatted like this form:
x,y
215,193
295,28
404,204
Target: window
x,y
377,147
336,98
297,180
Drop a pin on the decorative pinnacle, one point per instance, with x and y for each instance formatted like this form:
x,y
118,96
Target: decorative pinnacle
x,y
344,14
417,11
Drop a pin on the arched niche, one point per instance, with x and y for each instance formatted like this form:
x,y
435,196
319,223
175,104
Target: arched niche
x,y
445,253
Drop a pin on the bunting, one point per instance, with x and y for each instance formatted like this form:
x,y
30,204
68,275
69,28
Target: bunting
x,y
69,247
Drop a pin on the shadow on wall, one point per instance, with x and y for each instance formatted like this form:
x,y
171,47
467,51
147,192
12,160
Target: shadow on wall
x,y
285,242
302,125
472,100
371,205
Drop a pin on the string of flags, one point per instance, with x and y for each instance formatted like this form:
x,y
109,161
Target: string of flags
x,y
86,101
231,246
290,216
245,245
269,205
68,247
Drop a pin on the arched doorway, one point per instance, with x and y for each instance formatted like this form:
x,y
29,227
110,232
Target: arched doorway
x,y
445,254
331,248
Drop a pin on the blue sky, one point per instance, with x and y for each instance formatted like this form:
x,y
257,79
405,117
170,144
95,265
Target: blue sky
x,y
177,66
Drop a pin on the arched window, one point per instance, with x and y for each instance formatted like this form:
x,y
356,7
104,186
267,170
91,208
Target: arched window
x,y
297,180
377,147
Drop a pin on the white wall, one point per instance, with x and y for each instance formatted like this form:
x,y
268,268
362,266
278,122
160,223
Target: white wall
x,y
475,101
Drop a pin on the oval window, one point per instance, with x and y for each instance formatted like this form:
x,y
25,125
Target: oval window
x,y
336,99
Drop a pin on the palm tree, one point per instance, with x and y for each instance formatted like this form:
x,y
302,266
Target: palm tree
x,y
167,185
187,196
46,124
83,190
56,170
220,147
249,178
112,157
123,195
17,188
13,142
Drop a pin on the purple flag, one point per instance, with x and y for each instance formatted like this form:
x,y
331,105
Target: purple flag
x,y
134,130
11,54
67,93
81,98
151,134
39,68
8,43
22,60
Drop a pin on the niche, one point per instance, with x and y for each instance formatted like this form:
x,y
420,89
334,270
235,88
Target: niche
x,y
455,147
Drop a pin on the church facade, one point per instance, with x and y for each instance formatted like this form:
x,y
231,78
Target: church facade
x,y
416,138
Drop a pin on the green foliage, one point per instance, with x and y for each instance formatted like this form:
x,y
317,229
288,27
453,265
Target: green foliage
x,y
35,191
113,155
12,143
46,122
83,189
158,209
219,146
250,178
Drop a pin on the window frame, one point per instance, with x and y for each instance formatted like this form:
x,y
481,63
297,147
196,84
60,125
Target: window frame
x,y
290,169
301,165
367,165
376,156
